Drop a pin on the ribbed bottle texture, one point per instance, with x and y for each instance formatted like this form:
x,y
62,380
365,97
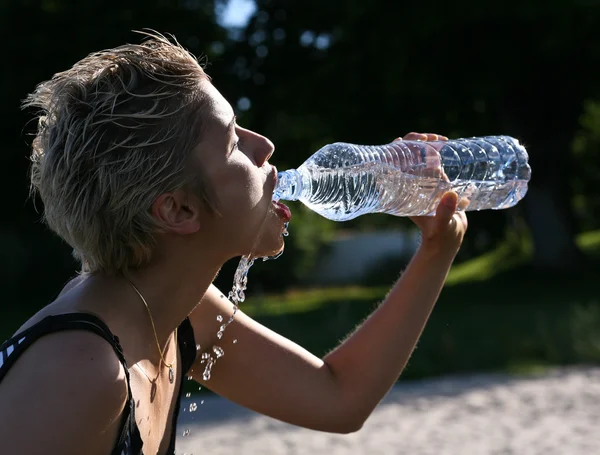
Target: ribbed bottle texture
x,y
342,181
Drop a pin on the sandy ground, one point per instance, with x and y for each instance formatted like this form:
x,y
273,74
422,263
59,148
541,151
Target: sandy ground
x,y
554,413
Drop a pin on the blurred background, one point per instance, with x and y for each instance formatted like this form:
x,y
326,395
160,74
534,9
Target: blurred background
x,y
523,293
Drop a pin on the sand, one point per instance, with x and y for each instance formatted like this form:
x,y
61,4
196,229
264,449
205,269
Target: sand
x,y
557,412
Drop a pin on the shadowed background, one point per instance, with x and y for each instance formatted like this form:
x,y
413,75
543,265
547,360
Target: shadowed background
x,y
522,294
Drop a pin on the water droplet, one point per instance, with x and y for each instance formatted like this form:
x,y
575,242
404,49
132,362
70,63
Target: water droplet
x,y
234,341
200,388
186,432
193,407
236,295
202,402
207,370
267,258
187,395
190,378
197,347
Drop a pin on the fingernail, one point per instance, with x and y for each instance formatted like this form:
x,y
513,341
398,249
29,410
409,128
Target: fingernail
x,y
450,201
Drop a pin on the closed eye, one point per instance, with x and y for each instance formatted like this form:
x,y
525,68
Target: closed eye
x,y
236,144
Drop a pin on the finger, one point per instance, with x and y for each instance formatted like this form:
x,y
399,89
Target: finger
x,y
446,208
435,137
463,203
415,137
444,176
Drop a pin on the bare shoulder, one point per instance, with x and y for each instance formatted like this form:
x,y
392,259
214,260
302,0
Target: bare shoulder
x,y
64,395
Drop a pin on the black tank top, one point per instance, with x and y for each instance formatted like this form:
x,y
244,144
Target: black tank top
x,y
129,441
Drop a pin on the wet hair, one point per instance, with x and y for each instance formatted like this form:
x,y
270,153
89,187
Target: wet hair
x,y
114,132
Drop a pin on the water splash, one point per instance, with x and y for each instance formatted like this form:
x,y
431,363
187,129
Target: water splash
x,y
218,351
240,281
236,296
209,361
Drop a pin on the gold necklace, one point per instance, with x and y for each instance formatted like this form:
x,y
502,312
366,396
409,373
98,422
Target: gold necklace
x,y
168,365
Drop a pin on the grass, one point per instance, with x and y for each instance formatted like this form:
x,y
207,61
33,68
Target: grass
x,y
495,313
482,268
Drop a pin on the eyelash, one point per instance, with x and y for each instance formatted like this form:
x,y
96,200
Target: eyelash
x,y
235,145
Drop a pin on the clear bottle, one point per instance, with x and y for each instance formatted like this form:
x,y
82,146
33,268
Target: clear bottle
x,y
407,178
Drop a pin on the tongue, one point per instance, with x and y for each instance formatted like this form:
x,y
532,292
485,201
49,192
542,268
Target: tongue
x,y
285,209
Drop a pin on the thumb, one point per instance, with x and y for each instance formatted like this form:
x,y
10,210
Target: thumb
x,y
446,208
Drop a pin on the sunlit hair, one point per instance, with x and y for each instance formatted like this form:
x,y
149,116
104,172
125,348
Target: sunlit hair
x,y
114,132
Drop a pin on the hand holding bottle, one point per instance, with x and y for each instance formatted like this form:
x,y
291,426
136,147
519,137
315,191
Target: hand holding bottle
x,y
445,230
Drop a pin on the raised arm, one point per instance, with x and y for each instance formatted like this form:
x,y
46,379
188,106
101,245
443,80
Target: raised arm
x,y
68,404
274,376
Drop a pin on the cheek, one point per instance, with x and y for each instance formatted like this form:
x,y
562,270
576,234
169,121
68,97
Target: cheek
x,y
240,189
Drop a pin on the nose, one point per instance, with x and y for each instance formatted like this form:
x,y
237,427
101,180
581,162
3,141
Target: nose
x,y
261,149
267,150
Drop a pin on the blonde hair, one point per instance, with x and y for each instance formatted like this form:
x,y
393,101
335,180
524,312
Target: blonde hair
x,y
114,132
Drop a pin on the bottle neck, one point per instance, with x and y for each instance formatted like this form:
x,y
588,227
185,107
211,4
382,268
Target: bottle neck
x,y
288,186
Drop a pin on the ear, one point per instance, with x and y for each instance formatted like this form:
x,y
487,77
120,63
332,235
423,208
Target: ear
x,y
178,212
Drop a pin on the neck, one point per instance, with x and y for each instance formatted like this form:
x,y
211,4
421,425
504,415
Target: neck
x,y
171,293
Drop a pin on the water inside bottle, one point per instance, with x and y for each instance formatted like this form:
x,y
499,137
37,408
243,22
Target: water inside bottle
x,y
408,178
346,193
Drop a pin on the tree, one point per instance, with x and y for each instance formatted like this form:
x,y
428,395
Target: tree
x,y
316,72
41,38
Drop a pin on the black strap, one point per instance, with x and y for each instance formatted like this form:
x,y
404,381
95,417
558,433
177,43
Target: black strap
x,y
187,350
88,322
187,345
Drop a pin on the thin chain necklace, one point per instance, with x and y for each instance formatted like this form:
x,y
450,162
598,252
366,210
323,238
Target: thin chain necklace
x,y
168,365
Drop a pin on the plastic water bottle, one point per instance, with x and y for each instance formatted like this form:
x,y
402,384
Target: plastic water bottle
x,y
408,178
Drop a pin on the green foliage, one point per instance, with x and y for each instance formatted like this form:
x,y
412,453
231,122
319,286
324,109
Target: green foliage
x,y
514,320
586,178
317,73
367,73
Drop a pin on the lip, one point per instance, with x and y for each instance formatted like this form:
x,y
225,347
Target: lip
x,y
283,211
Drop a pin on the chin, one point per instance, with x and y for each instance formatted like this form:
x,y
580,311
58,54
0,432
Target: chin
x,y
266,250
